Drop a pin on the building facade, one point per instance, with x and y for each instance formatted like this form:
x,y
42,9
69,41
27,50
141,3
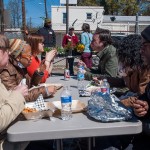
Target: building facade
x,y
77,16
125,24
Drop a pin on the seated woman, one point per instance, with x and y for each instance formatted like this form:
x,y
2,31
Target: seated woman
x,y
134,74
15,71
37,47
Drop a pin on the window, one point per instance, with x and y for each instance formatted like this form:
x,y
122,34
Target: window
x,y
64,18
89,16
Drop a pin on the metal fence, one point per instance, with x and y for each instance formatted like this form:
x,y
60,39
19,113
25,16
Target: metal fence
x,y
13,34
60,63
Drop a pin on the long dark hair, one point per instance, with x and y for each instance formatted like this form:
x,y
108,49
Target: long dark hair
x,y
129,51
86,27
34,39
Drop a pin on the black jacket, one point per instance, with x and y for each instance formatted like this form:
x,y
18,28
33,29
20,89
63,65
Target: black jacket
x,y
49,36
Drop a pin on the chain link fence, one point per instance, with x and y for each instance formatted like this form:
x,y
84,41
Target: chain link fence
x,y
13,35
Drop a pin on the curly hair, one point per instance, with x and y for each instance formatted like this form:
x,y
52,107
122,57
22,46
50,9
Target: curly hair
x,y
129,51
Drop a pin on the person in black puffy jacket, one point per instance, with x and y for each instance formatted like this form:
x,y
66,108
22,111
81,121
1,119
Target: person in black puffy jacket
x,y
49,35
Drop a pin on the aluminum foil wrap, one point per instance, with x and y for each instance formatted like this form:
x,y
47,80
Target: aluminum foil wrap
x,y
102,107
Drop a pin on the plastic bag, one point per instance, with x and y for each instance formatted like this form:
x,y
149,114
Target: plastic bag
x,y
103,107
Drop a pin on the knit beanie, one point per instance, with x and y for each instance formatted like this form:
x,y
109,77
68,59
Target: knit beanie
x,y
146,33
47,20
16,47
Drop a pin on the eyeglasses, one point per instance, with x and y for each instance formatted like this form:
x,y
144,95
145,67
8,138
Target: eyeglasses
x,y
26,56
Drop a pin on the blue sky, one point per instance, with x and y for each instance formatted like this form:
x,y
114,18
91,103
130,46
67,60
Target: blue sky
x,y
35,9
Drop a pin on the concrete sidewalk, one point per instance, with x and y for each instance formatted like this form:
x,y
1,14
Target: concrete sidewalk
x,y
60,65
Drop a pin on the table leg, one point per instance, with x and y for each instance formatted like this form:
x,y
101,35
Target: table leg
x,y
61,144
58,144
93,141
89,143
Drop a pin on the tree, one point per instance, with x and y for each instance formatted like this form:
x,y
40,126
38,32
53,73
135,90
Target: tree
x,y
14,7
113,7
87,3
129,7
104,4
146,12
121,7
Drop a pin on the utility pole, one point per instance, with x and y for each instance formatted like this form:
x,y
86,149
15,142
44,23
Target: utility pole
x,y
45,3
67,16
67,23
30,23
137,19
2,15
137,24
23,17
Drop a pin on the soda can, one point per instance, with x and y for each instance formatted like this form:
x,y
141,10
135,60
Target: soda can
x,y
66,74
103,89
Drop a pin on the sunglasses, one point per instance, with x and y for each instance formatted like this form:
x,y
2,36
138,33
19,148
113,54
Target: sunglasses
x,y
25,56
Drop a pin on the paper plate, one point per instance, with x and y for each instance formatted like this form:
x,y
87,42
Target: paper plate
x,y
77,106
48,112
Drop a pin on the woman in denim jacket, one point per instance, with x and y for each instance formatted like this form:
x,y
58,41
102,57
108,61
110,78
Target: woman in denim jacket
x,y
86,38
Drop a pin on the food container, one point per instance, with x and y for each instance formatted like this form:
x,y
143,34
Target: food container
x,y
48,112
77,105
92,88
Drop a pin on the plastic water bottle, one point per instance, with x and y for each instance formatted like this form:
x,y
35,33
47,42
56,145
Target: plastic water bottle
x,y
81,88
80,78
105,87
80,73
66,101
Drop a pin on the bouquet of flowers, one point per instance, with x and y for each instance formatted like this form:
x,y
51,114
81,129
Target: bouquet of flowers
x,y
68,46
80,48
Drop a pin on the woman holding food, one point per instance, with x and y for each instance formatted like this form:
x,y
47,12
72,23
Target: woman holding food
x,y
13,74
